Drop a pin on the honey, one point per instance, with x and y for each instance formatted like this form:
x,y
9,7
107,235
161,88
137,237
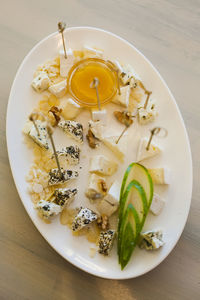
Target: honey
x,y
82,75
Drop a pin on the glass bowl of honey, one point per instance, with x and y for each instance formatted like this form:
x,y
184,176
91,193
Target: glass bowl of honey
x,y
81,77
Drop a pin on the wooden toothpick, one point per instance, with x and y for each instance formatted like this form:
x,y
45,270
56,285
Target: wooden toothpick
x,y
50,133
32,118
147,99
61,28
95,84
155,131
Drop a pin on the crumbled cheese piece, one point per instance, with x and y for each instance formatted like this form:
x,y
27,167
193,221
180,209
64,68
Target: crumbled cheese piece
x,y
110,202
71,154
31,131
73,128
37,188
143,153
151,240
92,52
123,98
157,204
102,165
99,115
106,240
64,196
48,209
128,75
59,89
54,176
66,63
160,175
118,149
96,128
41,82
70,109
148,114
96,187
84,217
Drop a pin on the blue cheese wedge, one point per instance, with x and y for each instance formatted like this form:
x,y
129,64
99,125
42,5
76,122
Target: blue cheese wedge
x,y
96,188
54,176
148,114
106,240
143,153
66,63
71,154
157,204
123,98
41,138
109,204
72,128
151,240
59,89
70,109
160,175
41,82
84,217
48,209
64,197
100,164
99,115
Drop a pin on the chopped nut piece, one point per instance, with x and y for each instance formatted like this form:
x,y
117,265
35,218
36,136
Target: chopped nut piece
x,y
55,113
92,140
103,222
123,117
103,185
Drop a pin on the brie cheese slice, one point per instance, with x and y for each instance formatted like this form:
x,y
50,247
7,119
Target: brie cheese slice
x,y
58,89
70,109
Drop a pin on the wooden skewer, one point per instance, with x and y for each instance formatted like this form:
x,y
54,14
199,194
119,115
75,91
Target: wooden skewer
x,y
155,131
50,133
95,84
61,28
147,99
124,130
34,123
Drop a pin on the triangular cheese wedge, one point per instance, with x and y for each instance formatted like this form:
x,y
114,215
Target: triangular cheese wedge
x,y
118,149
143,153
72,128
123,99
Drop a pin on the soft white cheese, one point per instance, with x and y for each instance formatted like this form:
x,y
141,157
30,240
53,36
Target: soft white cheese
x,y
148,114
48,209
160,175
128,75
118,149
59,89
70,109
143,153
41,82
94,190
72,128
151,240
157,204
31,131
99,115
109,204
123,98
102,165
66,63
84,217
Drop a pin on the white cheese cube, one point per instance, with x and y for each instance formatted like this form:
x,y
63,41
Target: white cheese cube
x,y
143,153
151,240
31,131
106,240
55,178
64,197
48,209
128,75
91,52
71,154
59,89
148,114
118,149
160,175
66,63
157,204
97,129
110,202
123,99
72,128
84,217
41,82
96,187
102,165
70,109
99,115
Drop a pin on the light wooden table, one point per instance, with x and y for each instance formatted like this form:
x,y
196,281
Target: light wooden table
x,y
168,33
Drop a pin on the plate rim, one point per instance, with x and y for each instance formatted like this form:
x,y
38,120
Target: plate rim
x,y
185,135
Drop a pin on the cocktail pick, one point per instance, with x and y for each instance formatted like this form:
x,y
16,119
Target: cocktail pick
x,y
124,118
33,119
61,28
155,131
147,99
95,84
50,133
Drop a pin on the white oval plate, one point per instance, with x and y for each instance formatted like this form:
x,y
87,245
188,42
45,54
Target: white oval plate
x,y
176,154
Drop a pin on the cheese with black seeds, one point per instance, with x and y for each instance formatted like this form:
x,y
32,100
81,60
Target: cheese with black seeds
x,y
64,197
72,128
54,176
106,240
84,217
71,154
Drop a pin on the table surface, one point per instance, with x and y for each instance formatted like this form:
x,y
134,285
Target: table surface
x,y
167,32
